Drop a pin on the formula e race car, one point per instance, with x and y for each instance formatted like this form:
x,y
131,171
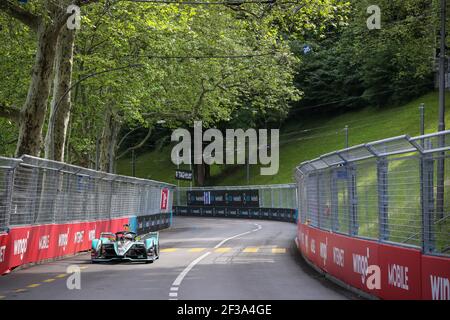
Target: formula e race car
x,y
125,246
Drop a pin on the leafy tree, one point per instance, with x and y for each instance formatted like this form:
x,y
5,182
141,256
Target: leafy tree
x,y
355,67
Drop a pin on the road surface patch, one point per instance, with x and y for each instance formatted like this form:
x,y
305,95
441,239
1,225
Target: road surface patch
x,y
197,249
169,250
217,248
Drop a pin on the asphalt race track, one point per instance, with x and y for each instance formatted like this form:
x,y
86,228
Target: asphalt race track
x,y
201,258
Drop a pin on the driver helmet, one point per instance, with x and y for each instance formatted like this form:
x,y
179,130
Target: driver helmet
x,y
129,236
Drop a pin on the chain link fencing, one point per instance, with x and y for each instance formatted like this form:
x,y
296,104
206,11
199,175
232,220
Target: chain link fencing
x,y
395,190
39,191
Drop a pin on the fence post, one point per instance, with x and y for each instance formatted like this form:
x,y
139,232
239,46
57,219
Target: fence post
x,y
9,195
111,190
334,201
353,200
271,197
318,176
383,202
427,202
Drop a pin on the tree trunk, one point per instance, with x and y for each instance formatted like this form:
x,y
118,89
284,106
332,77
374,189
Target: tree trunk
x,y
207,172
200,174
61,102
108,141
35,107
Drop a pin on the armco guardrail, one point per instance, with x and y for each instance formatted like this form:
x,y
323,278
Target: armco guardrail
x,y
270,202
380,206
50,209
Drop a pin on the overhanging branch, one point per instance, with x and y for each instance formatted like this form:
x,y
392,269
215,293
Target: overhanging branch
x,y
15,11
140,144
10,112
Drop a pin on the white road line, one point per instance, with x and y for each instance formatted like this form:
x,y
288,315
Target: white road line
x,y
183,273
238,235
174,289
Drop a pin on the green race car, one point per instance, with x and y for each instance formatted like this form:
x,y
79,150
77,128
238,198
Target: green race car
x,y
125,246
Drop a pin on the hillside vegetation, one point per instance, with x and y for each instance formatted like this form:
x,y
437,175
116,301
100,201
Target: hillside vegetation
x,y
305,140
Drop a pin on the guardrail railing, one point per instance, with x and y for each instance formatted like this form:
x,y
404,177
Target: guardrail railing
x,y
389,190
38,191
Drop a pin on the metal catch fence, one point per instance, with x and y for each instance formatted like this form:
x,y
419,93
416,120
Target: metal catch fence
x,y
38,191
394,190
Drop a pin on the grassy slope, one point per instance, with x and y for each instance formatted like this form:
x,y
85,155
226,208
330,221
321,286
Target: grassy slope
x,y
303,142
324,136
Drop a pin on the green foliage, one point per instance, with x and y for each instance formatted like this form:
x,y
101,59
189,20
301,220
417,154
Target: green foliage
x,y
356,67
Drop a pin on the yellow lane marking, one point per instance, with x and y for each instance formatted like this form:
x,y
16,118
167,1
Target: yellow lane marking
x,y
62,275
34,285
218,250
21,290
197,249
82,268
169,250
49,280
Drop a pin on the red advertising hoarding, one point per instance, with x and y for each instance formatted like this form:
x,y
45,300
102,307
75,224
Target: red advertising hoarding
x,y
164,198
382,270
29,244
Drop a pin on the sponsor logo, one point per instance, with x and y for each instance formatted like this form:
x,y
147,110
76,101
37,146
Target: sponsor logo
x,y
370,274
63,239
78,237
360,265
20,246
440,288
323,251
313,246
2,253
164,198
338,257
91,234
398,276
44,242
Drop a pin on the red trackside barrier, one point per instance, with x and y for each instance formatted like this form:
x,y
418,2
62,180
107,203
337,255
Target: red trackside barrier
x,y
30,244
405,273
